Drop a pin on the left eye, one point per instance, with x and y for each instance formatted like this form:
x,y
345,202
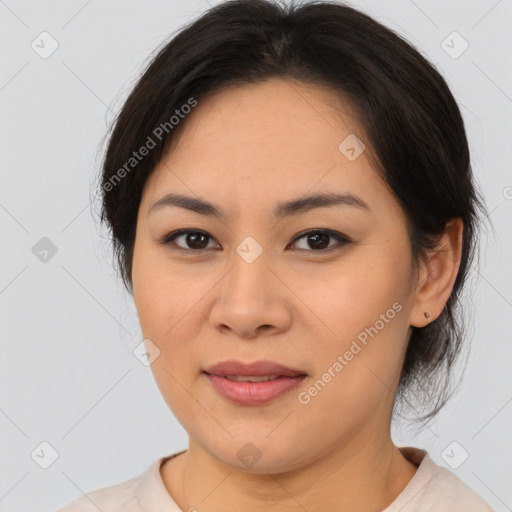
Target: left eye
x,y
320,240
192,237
198,240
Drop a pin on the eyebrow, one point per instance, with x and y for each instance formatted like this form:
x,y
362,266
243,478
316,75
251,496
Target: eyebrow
x,y
284,209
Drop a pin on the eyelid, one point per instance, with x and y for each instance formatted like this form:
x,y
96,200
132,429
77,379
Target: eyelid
x,y
334,234
340,237
169,239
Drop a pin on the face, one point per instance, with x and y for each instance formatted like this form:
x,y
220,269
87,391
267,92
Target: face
x,y
323,288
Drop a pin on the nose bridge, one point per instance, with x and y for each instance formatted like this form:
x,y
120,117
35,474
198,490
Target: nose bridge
x,y
249,273
251,301
250,296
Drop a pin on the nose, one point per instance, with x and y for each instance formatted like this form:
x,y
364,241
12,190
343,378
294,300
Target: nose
x,y
251,300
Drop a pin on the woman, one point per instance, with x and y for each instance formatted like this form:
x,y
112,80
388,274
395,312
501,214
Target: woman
x,y
292,207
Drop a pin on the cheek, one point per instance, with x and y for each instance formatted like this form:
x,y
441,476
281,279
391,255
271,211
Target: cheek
x,y
168,309
171,312
363,313
347,298
165,303
162,295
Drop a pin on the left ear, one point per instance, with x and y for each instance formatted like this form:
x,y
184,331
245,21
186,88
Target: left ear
x,y
437,275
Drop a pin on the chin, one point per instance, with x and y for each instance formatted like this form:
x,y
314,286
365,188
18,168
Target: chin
x,y
252,454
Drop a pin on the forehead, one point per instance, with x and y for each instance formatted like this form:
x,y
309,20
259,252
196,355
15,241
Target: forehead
x,y
270,139
261,115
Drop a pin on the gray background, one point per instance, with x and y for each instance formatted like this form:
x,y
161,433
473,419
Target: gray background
x,y
68,329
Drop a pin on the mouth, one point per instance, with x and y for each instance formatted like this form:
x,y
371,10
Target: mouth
x,y
253,384
251,378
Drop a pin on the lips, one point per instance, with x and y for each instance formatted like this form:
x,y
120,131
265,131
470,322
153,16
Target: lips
x,y
255,383
256,369
252,378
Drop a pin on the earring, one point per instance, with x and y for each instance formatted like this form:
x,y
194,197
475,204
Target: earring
x,y
427,315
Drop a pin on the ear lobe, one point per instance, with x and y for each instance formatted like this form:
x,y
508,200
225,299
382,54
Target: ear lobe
x,y
438,275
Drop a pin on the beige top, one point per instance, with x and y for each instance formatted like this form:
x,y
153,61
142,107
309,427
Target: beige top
x,y
432,488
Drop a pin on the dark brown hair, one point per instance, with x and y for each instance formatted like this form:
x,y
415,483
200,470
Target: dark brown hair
x,y
407,112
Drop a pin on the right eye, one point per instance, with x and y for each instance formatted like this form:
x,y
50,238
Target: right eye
x,y
196,240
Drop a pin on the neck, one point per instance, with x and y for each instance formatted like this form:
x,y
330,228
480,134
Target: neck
x,y
365,474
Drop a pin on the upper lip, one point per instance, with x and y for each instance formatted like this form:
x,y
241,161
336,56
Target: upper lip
x,y
257,368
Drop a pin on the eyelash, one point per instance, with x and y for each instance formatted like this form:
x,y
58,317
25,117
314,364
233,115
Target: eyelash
x,y
342,240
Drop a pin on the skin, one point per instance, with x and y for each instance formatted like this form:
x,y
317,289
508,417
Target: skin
x,y
246,149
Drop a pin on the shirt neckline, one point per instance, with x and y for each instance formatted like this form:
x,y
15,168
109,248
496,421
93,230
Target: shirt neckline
x,y
150,489
426,471
153,496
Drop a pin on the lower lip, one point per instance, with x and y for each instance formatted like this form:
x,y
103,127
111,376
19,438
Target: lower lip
x,y
254,393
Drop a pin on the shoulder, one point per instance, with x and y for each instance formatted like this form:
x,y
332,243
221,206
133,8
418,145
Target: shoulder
x,y
146,491
115,498
435,488
448,491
